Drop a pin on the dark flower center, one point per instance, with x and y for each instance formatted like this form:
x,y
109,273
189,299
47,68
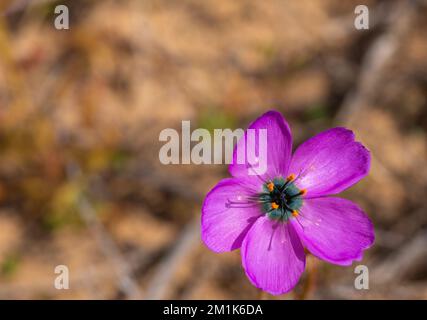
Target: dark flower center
x,y
281,199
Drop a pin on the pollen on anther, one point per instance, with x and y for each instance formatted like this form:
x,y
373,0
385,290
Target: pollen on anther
x,y
270,186
295,213
291,177
274,205
303,192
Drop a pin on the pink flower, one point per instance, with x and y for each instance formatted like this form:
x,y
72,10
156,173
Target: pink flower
x,y
273,216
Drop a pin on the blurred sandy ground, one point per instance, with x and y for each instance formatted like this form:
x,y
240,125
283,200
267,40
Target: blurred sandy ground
x,y
81,111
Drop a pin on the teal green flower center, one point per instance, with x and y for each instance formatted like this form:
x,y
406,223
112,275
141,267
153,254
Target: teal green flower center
x,y
281,199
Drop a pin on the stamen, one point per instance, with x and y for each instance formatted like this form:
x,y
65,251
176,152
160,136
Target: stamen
x,y
301,193
295,213
274,205
291,177
270,186
299,222
230,205
246,202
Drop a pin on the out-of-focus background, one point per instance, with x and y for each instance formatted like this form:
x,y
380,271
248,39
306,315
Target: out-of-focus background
x,y
81,110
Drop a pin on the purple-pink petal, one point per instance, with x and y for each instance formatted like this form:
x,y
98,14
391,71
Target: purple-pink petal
x,y
334,229
278,148
273,256
330,162
224,227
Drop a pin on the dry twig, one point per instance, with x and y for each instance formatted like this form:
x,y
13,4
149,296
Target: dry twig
x,y
127,283
408,257
376,60
162,279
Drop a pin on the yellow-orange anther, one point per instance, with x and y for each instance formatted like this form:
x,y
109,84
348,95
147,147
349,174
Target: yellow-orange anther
x,y
274,205
294,213
303,192
291,177
270,186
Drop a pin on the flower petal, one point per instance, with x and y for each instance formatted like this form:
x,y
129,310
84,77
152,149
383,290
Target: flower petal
x,y
329,162
224,227
274,158
334,229
273,256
